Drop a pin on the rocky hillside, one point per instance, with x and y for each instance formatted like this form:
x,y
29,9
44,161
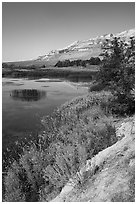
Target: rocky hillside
x,y
110,175
83,49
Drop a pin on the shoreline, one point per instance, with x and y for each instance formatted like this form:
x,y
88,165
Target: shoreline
x,y
69,73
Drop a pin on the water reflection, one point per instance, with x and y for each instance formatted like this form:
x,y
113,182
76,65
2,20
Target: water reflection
x,y
27,94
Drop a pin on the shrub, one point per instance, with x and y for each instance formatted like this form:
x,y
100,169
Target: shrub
x,y
25,176
118,73
12,185
97,87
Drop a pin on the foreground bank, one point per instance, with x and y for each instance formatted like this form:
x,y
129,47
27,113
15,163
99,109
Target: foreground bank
x,y
110,175
73,135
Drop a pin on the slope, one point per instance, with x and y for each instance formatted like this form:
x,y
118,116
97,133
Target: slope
x,y
110,175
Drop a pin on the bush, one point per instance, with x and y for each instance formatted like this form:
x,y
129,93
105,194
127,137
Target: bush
x,y
25,176
118,73
97,87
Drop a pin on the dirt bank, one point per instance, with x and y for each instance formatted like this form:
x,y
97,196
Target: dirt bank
x,y
110,175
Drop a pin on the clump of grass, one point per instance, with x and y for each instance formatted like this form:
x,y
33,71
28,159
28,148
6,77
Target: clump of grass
x,y
25,175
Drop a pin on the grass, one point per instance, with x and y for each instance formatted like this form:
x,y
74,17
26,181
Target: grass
x,y
75,132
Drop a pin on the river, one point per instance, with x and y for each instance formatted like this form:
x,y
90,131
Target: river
x,y
25,102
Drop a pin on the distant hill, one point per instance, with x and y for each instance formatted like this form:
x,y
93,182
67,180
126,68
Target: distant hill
x,y
83,50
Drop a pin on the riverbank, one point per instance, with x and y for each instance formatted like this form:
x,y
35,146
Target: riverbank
x,y
110,175
75,133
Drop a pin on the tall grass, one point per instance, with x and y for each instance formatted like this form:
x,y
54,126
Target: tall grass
x,y
74,133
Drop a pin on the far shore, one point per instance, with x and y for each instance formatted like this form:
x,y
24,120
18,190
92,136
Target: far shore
x,y
75,74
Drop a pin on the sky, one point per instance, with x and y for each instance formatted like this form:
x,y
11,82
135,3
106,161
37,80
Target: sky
x,y
33,29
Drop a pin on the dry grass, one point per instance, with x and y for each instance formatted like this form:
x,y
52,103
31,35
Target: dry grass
x,y
77,131
110,175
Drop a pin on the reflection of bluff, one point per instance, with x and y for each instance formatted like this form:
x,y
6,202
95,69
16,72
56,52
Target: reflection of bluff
x,y
27,94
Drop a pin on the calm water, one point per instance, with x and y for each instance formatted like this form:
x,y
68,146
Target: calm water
x,y
25,102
